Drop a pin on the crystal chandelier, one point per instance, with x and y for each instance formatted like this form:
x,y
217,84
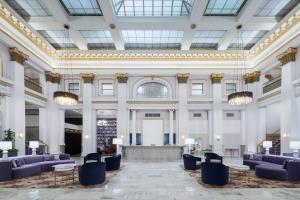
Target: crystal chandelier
x,y
243,96
66,98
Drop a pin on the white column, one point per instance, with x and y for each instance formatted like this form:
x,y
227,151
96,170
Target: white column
x,y
210,128
171,129
288,118
61,130
94,130
133,131
217,114
87,114
243,127
183,113
18,106
122,112
262,125
43,128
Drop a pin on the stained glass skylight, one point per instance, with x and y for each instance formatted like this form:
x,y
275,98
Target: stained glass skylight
x,y
276,8
153,39
224,7
58,39
248,39
82,7
153,7
207,39
98,39
29,8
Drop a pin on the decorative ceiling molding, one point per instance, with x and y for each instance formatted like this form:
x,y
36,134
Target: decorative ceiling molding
x,y
17,55
216,78
287,56
182,78
52,77
252,77
88,78
122,78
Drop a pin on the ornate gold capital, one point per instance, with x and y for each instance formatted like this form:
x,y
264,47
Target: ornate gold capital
x,y
88,78
216,78
122,78
287,56
52,77
18,56
252,77
182,78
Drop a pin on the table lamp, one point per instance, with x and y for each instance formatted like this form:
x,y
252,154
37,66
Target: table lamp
x,y
295,146
5,146
118,142
267,145
34,145
189,142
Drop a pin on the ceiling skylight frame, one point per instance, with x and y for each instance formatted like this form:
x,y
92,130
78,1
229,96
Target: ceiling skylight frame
x,y
59,42
98,39
266,11
252,40
83,14
225,14
15,5
207,39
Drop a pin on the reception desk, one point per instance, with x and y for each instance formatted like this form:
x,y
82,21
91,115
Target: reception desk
x,y
152,153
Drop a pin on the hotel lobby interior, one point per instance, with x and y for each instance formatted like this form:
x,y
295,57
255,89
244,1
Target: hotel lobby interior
x,y
149,99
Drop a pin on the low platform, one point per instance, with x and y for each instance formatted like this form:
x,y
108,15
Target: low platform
x,y
152,153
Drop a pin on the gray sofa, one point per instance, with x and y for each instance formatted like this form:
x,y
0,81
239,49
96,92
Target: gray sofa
x,y
274,167
30,165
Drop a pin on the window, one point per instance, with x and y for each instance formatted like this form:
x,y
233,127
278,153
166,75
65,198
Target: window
x,y
152,90
197,115
98,39
224,7
230,88
197,89
247,38
32,8
152,114
74,88
82,7
58,39
229,114
166,139
276,8
107,89
207,39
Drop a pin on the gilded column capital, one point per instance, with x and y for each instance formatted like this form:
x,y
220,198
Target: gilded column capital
x,y
52,77
287,56
216,78
17,55
182,78
252,77
122,78
88,78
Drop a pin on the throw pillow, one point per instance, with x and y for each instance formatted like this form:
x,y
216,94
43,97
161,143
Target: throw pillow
x,y
285,163
257,157
16,163
49,157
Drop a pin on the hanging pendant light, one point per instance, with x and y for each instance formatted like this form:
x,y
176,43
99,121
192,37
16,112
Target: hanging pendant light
x,y
66,98
240,97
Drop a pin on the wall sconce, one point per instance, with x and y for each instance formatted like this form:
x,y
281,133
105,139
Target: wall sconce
x,y
21,135
183,137
218,138
122,136
86,136
284,135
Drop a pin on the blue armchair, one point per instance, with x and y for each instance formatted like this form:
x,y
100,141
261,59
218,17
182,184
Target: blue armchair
x,y
92,173
190,162
113,163
212,156
92,156
214,173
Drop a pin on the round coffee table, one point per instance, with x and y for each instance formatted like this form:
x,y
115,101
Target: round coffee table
x,y
242,170
61,169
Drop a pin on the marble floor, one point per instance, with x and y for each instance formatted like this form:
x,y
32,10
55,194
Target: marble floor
x,y
151,180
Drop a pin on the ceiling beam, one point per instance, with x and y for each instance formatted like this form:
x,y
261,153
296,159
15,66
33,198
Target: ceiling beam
x,y
110,18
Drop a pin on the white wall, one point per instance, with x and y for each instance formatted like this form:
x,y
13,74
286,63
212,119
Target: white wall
x,y
232,137
198,127
273,118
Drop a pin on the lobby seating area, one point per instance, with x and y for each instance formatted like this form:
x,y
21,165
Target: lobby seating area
x,y
191,162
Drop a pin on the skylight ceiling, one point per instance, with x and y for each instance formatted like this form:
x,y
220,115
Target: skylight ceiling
x,y
247,39
224,7
153,7
29,8
276,8
207,39
152,39
58,39
98,39
82,7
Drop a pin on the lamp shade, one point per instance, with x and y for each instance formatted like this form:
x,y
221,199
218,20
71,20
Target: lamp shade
x,y
117,141
5,145
34,144
295,145
267,144
189,141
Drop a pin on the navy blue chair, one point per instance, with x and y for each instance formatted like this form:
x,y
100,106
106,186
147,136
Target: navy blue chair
x,y
92,156
92,173
212,156
190,162
113,163
214,173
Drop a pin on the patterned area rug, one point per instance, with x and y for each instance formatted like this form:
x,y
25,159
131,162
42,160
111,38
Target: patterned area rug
x,y
248,179
47,180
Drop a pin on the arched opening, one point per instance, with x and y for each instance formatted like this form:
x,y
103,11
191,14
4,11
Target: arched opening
x,y
152,90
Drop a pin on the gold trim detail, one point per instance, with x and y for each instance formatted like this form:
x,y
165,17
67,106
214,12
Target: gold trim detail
x,y
122,78
17,55
52,77
182,78
216,78
88,78
252,77
287,56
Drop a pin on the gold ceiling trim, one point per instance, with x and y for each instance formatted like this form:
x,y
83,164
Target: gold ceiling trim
x,y
12,20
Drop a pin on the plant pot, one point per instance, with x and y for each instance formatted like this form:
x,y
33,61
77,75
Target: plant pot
x,y
13,152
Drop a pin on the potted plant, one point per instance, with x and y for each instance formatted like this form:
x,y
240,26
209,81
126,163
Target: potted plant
x,y
9,135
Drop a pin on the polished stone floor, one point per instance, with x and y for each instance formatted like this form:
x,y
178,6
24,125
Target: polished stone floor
x,y
155,180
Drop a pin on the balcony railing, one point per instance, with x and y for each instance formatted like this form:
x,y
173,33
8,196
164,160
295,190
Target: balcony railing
x,y
33,85
271,85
